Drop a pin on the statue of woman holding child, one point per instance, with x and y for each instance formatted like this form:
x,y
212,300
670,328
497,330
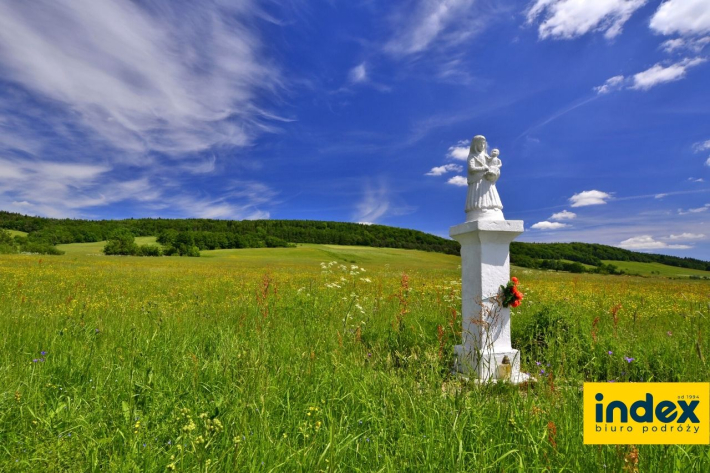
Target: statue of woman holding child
x,y
483,201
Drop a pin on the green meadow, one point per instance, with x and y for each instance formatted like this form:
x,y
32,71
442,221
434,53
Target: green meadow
x,y
320,358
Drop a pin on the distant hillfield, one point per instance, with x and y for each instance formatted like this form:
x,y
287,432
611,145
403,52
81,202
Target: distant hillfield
x,y
39,234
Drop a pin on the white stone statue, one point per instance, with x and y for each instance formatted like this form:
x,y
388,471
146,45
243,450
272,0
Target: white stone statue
x,y
482,200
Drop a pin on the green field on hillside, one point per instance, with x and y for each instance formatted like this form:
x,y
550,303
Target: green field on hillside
x,y
657,269
319,358
312,254
97,248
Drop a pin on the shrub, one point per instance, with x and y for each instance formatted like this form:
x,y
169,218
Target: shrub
x,y
149,250
121,244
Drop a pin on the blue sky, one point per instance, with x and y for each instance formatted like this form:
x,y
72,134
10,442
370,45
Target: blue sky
x,y
363,111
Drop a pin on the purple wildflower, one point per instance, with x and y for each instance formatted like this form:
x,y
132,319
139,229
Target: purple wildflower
x,y
35,360
538,363
610,352
542,371
43,353
629,359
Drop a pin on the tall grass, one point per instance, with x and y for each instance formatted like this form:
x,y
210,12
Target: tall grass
x,y
124,364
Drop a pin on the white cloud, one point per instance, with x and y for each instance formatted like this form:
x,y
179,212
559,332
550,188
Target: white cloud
x,y
545,225
358,73
440,170
459,151
458,181
651,77
707,162
660,196
593,197
686,236
690,44
659,74
71,189
418,27
128,98
374,204
566,19
180,81
695,210
242,202
646,242
686,17
701,146
694,179
564,215
611,84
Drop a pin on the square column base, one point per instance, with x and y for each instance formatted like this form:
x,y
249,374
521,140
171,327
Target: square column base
x,y
484,365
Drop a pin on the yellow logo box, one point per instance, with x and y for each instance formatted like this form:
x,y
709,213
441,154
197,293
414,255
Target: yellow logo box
x,y
647,413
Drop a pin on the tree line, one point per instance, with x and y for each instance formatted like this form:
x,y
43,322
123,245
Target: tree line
x,y
186,237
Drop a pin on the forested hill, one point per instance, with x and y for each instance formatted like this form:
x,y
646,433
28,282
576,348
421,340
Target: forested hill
x,y
540,255
211,234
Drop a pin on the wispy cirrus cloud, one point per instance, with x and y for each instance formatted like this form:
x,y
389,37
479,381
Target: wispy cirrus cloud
x,y
695,210
379,201
430,21
167,77
686,236
567,19
694,45
121,98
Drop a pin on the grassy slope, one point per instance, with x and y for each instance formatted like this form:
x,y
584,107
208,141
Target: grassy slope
x,y
263,339
17,233
96,248
360,255
303,254
646,269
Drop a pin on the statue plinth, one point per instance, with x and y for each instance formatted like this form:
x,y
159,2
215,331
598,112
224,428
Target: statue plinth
x,y
485,266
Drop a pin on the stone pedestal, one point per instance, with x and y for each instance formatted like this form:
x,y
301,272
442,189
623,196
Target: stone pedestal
x,y
485,266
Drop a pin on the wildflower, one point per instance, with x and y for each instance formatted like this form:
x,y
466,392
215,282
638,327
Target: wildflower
x,y
542,372
628,359
538,363
669,333
610,352
43,353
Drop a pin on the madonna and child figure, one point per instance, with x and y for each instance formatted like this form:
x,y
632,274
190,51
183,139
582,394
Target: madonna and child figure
x,y
482,200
